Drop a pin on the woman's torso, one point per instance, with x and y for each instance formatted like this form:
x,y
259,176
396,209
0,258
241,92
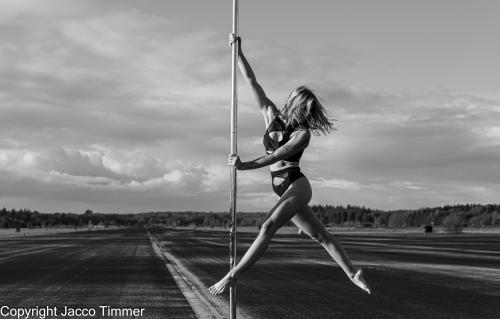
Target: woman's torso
x,y
276,135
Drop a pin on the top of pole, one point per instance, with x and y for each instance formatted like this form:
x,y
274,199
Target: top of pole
x,y
234,98
235,17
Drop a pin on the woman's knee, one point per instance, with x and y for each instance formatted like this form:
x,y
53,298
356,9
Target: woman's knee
x,y
321,237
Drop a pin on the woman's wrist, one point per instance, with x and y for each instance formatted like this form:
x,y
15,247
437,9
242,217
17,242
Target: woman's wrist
x,y
242,166
257,163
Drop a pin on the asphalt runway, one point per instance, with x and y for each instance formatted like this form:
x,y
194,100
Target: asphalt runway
x,y
434,276
412,276
116,268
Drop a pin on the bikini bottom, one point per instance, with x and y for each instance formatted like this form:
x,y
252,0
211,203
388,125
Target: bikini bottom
x,y
281,180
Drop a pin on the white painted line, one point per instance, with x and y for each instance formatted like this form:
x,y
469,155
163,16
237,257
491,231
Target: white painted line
x,y
205,306
201,308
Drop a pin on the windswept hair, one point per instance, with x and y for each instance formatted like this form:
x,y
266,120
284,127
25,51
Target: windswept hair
x,y
303,107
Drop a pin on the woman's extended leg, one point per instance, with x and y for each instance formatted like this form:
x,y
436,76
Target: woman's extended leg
x,y
295,197
309,223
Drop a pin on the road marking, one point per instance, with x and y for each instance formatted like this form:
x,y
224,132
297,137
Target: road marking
x,y
205,306
20,253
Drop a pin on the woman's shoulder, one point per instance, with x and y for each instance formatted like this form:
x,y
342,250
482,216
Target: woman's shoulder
x,y
301,137
303,126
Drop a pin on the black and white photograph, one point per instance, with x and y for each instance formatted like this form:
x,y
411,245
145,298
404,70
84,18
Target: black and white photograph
x,y
250,159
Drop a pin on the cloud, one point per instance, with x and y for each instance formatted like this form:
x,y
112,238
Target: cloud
x,y
93,169
336,183
407,185
492,134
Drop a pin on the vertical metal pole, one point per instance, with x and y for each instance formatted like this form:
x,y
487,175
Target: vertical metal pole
x,y
232,209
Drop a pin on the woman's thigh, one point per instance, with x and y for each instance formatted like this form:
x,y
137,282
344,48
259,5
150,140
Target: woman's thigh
x,y
306,220
293,201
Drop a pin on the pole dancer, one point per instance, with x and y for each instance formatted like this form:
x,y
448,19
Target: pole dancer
x,y
287,136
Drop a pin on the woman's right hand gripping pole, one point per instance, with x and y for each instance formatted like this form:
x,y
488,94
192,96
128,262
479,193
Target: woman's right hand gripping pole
x,y
234,38
234,160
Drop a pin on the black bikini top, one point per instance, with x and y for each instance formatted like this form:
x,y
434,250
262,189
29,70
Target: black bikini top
x,y
284,132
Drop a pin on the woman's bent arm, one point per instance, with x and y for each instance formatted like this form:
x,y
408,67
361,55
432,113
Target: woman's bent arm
x,y
298,141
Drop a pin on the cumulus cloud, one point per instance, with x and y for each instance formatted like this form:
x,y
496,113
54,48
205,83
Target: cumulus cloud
x,y
336,183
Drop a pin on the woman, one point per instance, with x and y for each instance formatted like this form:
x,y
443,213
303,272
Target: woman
x,y
287,136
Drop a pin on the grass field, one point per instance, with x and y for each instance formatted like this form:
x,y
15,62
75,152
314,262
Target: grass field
x,y
412,275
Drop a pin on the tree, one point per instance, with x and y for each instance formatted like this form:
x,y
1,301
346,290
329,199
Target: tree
x,y
453,223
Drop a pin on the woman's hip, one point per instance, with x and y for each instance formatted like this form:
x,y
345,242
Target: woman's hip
x,y
290,178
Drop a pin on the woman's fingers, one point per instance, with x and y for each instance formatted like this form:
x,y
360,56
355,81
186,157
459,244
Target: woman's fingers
x,y
232,159
233,38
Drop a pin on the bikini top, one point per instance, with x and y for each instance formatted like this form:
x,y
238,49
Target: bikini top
x,y
284,133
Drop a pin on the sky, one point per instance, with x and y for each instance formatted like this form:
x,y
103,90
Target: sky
x,y
123,106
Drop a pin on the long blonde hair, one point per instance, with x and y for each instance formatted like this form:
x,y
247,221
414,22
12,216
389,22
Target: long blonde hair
x,y
303,107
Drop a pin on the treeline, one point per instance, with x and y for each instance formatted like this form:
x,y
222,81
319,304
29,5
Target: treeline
x,y
469,215
25,218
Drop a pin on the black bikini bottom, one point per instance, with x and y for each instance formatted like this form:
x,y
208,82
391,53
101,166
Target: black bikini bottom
x,y
287,177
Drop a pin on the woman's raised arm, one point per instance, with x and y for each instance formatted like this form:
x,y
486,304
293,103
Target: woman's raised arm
x,y
267,107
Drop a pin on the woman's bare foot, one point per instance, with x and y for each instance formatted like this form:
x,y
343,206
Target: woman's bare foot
x,y
359,281
222,285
